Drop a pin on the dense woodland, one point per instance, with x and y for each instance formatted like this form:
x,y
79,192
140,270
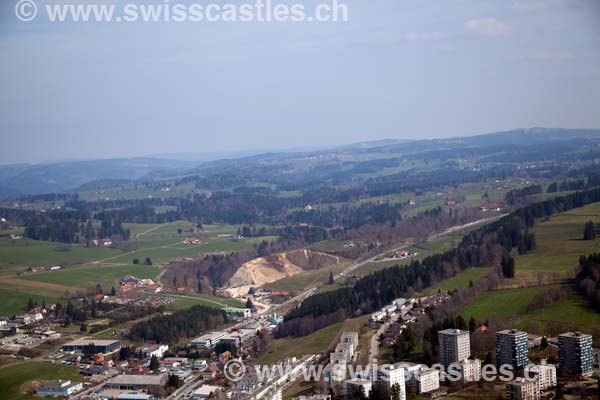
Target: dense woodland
x,y
181,324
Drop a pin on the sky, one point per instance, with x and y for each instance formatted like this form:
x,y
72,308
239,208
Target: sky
x,y
395,69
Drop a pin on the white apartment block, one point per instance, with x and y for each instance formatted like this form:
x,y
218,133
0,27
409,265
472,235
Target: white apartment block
x,y
470,370
522,389
350,337
351,386
393,375
455,345
544,373
422,378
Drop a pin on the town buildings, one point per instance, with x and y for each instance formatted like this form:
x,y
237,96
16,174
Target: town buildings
x,y
511,348
544,374
60,388
100,346
136,382
352,386
522,389
575,354
393,375
455,345
470,370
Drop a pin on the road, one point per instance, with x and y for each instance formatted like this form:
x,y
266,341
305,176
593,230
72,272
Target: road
x,y
357,264
187,389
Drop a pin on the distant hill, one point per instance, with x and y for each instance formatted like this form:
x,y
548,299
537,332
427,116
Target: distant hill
x,y
311,164
62,176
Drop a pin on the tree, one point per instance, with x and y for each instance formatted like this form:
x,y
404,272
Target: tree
x,y
461,323
154,364
359,394
249,303
508,266
379,392
222,347
544,343
136,261
252,290
30,304
83,328
395,392
174,381
99,289
488,359
589,233
147,261
472,325
330,280
113,291
88,350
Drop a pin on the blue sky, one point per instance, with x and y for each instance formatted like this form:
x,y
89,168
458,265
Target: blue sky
x,y
397,68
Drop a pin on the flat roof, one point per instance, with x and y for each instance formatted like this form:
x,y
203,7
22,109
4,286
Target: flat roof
x,y
574,335
136,379
453,332
511,332
206,390
211,335
88,340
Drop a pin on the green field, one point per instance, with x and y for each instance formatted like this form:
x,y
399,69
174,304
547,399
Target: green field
x,y
559,245
462,280
316,342
85,267
19,254
14,298
502,303
573,313
15,379
89,276
556,257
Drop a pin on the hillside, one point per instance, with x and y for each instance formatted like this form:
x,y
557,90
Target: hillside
x,y
264,270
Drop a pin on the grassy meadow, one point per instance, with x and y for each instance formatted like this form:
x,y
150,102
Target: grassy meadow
x,y
17,380
559,245
555,259
85,267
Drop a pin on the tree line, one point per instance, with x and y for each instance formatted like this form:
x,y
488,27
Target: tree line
x,y
181,324
484,246
588,279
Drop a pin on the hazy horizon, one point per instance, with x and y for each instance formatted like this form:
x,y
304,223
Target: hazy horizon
x,y
401,70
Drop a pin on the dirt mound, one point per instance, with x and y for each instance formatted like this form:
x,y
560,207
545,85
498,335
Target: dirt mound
x,y
307,259
264,270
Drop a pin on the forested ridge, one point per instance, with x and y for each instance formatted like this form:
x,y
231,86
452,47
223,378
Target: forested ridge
x,y
484,246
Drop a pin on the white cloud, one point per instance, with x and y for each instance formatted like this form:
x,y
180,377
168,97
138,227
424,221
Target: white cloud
x,y
528,7
486,27
424,36
551,56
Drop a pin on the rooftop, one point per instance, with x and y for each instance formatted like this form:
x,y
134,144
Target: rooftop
x,y
454,332
87,340
136,379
